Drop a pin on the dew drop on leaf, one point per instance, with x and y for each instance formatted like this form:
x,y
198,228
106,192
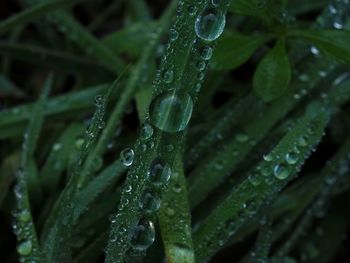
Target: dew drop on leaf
x,y
127,156
168,76
207,53
242,137
280,172
302,141
159,173
146,131
25,248
291,158
143,235
171,111
149,202
210,24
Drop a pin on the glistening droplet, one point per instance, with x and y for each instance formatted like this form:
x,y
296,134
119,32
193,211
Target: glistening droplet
x,y
171,111
210,24
143,235
159,173
127,156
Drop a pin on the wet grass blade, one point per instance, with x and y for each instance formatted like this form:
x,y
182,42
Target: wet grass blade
x,y
266,180
28,245
175,218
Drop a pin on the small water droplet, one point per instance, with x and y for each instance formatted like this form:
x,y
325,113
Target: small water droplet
x,y
146,131
268,157
98,100
159,173
171,111
242,137
210,24
25,248
254,179
302,141
143,235
207,53
168,76
24,215
292,158
281,172
149,202
173,34
127,156
56,147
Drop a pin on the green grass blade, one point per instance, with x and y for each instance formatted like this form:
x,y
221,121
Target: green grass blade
x,y
269,176
175,219
28,245
32,13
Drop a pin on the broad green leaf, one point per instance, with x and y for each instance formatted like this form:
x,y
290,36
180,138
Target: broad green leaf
x,y
273,75
233,49
332,42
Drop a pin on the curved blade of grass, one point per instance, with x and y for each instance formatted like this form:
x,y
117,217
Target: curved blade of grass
x,y
175,218
8,167
244,200
215,168
85,197
56,236
32,13
331,175
28,245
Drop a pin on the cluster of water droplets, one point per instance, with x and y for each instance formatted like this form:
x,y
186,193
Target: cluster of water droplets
x,y
336,15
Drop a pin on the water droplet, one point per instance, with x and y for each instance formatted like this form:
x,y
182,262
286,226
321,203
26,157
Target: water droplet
x,y
210,24
215,2
79,143
146,131
280,172
268,157
143,235
304,78
173,34
159,173
168,76
25,248
149,202
98,100
291,158
127,156
192,10
24,215
57,146
207,53
201,65
171,111
302,141
128,188
242,137
254,179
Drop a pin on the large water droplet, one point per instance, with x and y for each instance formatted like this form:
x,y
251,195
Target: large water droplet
x,y
159,173
149,202
210,24
171,111
25,248
127,156
281,172
143,235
